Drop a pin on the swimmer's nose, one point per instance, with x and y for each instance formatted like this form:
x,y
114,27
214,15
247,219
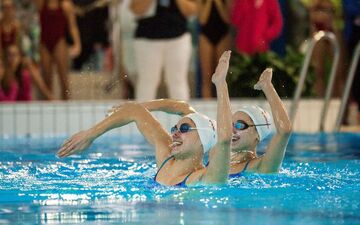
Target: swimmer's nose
x,y
176,134
234,129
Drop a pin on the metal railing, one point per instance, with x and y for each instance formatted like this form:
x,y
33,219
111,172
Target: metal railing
x,y
314,40
350,79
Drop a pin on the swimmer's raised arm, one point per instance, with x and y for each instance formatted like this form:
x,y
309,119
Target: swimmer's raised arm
x,y
152,130
273,157
170,106
218,168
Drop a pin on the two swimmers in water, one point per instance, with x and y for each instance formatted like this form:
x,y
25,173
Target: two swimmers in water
x,y
179,156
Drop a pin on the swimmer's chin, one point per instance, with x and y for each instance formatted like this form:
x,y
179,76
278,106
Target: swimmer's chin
x,y
175,147
235,142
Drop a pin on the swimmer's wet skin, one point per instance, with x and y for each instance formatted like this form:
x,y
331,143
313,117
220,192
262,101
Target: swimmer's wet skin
x,y
252,124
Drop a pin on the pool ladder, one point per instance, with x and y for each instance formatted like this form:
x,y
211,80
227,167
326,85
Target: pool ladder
x,y
314,40
350,77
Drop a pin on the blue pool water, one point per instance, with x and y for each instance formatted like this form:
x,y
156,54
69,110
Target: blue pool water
x,y
112,183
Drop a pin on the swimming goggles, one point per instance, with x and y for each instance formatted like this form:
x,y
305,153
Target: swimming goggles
x,y
184,128
242,125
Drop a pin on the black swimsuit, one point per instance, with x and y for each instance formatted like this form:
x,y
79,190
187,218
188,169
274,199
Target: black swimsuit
x,y
215,29
182,183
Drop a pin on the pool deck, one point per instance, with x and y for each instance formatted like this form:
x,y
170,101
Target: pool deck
x,y
351,129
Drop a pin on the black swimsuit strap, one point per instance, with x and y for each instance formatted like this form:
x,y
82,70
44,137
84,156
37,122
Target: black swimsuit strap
x,y
245,167
184,181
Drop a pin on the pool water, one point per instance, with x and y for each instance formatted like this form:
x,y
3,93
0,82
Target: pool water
x,y
112,182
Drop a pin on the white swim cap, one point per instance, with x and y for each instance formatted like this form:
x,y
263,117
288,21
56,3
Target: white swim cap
x,y
206,129
259,116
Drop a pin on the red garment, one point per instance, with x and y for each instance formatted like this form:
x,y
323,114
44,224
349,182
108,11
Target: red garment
x,y
19,90
11,94
24,93
256,27
53,25
7,38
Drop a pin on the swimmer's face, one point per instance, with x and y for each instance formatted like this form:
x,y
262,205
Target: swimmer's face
x,y
243,138
185,143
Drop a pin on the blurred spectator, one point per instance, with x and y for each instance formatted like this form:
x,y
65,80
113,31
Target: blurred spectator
x,y
9,25
297,14
322,18
24,73
214,38
162,41
30,29
93,26
257,23
352,38
8,85
122,40
278,45
56,19
322,15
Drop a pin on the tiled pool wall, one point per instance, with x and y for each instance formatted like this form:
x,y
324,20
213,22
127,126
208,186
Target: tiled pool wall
x,y
65,118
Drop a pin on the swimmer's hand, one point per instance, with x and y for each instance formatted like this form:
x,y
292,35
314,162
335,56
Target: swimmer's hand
x,y
264,80
76,143
222,68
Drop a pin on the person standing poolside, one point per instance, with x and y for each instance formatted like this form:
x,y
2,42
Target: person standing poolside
x,y
257,23
9,88
25,72
214,38
162,41
56,17
321,18
178,155
251,124
352,38
9,26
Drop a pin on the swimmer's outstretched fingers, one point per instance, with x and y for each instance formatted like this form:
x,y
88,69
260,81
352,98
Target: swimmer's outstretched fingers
x,y
76,143
265,79
222,68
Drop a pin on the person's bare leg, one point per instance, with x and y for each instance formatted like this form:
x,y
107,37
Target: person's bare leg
x,y
46,67
222,46
61,58
318,60
206,53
